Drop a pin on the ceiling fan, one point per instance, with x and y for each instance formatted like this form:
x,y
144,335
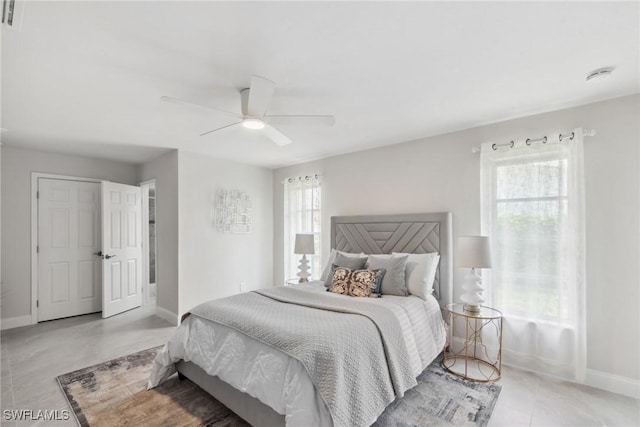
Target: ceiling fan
x,y
254,104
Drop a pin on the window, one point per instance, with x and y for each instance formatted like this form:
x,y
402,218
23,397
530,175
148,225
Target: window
x,y
302,214
530,217
533,213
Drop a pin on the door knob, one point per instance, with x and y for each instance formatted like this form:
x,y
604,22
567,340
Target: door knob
x,y
99,253
109,256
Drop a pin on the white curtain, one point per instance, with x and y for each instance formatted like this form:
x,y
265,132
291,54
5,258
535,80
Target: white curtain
x,y
533,211
302,214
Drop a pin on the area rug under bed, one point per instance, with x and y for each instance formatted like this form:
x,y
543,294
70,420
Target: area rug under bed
x,y
114,394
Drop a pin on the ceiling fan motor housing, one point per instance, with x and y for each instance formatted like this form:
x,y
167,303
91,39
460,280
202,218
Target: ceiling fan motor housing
x,y
244,101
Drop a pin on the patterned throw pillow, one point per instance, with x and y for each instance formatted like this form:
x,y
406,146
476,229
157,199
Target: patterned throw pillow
x,y
366,283
356,283
340,280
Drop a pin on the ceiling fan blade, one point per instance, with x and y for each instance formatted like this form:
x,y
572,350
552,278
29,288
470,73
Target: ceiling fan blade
x,y
183,102
260,94
217,129
276,136
327,121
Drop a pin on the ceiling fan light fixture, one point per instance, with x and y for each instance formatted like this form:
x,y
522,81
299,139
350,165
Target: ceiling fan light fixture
x,y
252,123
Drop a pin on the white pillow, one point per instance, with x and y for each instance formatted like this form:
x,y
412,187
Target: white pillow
x,y
420,273
332,258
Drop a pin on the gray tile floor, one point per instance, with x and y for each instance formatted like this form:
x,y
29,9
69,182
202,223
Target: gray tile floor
x,y
31,358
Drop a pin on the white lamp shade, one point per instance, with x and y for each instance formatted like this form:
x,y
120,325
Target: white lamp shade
x,y
304,244
474,252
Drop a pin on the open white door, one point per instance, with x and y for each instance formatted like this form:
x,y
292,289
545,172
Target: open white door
x,y
122,248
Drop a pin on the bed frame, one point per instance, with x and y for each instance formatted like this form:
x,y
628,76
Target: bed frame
x,y
371,234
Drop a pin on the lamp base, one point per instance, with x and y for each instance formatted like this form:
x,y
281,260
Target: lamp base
x,y
472,292
473,309
303,274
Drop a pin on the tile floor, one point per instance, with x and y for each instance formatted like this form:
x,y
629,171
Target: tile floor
x,y
31,358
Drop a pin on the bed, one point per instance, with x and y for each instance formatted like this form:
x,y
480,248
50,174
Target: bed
x,y
276,385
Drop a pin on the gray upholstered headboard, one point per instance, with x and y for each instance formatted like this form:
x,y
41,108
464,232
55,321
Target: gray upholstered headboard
x,y
409,233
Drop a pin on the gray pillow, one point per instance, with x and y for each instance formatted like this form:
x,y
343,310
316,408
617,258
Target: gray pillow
x,y
393,282
332,257
350,262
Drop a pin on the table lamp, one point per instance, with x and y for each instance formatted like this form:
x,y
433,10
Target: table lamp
x,y
304,246
473,252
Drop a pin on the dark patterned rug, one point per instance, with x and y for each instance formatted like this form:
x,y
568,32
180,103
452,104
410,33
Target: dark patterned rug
x,y
114,394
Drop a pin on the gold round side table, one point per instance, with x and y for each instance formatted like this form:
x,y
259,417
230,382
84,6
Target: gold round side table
x,y
475,343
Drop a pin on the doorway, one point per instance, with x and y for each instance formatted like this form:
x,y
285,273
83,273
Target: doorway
x,y
149,242
86,247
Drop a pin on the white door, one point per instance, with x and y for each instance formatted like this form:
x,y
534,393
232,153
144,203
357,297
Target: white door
x,y
69,272
121,248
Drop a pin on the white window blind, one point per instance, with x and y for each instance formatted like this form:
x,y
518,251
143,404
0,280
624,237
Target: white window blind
x,y
533,211
302,214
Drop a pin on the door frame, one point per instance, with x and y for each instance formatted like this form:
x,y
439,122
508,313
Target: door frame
x,y
35,176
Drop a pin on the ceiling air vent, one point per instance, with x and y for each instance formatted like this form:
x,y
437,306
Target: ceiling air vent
x,y
12,13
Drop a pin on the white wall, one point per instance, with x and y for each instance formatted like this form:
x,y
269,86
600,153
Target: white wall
x,y
195,262
441,174
164,170
1,286
16,168
212,263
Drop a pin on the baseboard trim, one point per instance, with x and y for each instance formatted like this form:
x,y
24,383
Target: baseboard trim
x,y
613,383
167,315
15,322
598,379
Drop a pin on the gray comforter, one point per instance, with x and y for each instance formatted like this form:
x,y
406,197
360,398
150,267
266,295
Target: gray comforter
x,y
355,352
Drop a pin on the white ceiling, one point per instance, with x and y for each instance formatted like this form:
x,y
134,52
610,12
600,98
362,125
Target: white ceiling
x,y
87,77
